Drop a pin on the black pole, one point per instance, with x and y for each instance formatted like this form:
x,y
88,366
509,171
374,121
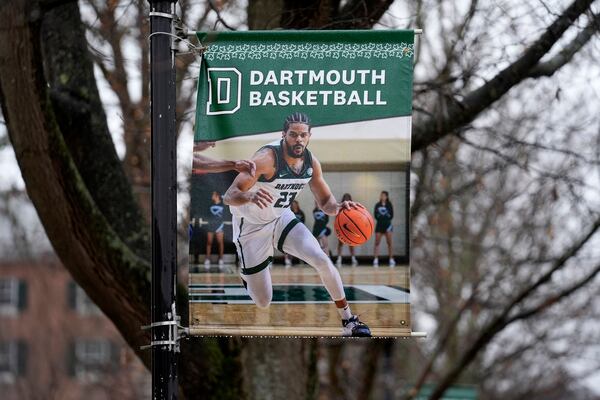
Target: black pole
x,y
164,198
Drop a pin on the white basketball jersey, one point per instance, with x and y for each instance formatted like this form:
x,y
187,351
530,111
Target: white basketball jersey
x,y
284,186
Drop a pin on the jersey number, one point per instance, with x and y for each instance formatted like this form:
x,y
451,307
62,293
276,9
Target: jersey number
x,y
285,200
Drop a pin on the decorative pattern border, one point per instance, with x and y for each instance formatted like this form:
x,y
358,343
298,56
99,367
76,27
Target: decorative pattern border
x,y
308,51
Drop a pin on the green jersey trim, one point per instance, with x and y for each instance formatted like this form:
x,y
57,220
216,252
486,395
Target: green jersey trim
x,y
258,268
285,232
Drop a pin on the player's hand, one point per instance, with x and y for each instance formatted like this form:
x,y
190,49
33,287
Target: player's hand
x,y
245,166
201,146
261,198
347,205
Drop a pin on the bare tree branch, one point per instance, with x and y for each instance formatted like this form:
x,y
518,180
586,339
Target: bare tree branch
x,y
357,14
327,14
555,298
488,332
219,17
441,344
548,68
460,113
523,165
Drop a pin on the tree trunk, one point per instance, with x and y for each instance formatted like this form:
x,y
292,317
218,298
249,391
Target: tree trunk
x,y
264,14
76,182
276,369
80,115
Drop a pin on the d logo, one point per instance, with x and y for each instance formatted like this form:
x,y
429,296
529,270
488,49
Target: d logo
x,y
224,91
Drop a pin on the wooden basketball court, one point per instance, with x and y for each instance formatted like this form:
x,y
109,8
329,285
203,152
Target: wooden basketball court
x,y
220,305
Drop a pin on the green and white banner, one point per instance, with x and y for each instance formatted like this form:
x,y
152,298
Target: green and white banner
x,y
355,88
349,81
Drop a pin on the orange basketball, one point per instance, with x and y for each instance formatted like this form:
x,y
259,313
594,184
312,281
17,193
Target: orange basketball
x,y
354,226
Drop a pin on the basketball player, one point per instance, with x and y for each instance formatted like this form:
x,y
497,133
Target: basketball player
x,y
215,228
262,218
340,246
202,164
383,212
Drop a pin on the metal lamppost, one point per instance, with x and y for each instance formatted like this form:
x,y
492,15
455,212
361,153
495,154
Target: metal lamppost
x,y
164,327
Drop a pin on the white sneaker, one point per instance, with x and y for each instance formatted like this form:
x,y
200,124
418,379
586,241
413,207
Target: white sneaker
x,y
338,262
221,262
207,263
354,262
376,262
287,262
392,262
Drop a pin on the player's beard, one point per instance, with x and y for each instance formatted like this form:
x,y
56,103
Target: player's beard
x,y
290,151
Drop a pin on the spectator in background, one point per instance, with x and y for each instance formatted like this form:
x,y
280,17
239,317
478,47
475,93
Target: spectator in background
x,y
195,241
383,212
340,246
215,228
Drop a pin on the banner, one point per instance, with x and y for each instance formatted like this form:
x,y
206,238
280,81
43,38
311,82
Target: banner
x,y
293,128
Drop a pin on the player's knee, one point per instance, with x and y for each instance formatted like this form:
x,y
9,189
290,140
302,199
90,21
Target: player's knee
x,y
262,298
323,258
319,259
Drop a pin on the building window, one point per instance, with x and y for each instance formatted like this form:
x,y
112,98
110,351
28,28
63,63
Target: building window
x,y
91,359
13,359
80,302
13,296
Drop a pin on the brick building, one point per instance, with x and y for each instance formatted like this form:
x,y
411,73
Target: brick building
x,y
56,344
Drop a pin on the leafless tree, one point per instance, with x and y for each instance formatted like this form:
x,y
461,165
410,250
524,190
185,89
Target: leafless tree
x,y
503,216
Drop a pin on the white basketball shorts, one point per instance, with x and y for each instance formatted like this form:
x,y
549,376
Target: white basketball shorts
x,y
255,242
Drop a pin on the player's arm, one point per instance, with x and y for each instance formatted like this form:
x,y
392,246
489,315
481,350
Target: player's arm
x,y
322,193
203,145
238,193
390,209
203,164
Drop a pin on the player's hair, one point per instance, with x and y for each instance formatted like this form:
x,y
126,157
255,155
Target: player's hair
x,y
296,117
347,197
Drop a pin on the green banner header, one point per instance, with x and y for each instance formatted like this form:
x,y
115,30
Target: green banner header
x,y
250,81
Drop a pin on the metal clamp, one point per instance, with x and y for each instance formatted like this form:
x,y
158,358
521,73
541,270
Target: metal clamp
x,y
176,332
179,32
162,14
196,50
